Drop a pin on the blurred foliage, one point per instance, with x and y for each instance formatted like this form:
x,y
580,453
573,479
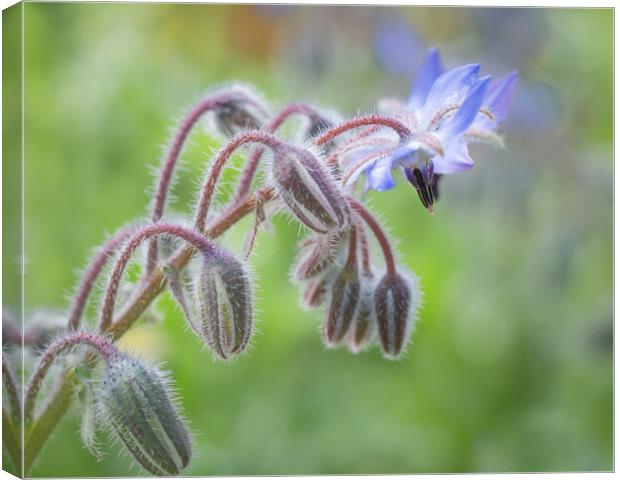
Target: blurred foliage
x,y
511,364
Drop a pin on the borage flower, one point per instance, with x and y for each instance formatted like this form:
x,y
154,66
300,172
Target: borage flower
x,y
444,112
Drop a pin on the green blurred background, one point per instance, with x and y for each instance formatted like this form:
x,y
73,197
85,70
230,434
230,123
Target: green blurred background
x,y
511,364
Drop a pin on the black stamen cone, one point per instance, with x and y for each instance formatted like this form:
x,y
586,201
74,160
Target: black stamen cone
x,y
423,186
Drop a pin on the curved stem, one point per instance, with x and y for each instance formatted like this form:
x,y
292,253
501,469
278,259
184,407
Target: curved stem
x,y
10,384
367,120
106,349
378,233
215,170
247,175
194,238
91,275
185,127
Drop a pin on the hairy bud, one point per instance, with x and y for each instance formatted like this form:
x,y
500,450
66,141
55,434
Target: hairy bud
x,y
242,111
395,298
344,299
363,328
134,402
315,292
308,190
316,254
224,300
342,307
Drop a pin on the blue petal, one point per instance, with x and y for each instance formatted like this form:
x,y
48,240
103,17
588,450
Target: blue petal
x,y
379,176
499,95
403,152
457,159
428,72
450,87
468,111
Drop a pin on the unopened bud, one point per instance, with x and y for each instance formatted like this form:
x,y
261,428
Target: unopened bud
x,y
315,292
363,328
308,190
344,299
224,301
342,307
316,254
136,405
396,300
242,111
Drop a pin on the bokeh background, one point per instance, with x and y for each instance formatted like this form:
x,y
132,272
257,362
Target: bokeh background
x,y
511,364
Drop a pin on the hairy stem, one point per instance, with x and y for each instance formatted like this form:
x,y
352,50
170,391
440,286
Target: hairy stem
x,y
378,233
106,349
194,238
215,170
45,423
163,186
367,120
10,385
91,275
11,439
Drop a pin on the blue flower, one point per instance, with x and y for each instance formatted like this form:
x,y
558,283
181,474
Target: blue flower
x,y
445,111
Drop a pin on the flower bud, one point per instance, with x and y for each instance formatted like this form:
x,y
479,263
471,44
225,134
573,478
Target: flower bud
x,y
395,298
345,297
243,110
316,254
136,405
363,327
344,300
308,190
224,300
315,292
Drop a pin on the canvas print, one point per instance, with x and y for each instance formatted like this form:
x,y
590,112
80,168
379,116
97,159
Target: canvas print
x,y
306,240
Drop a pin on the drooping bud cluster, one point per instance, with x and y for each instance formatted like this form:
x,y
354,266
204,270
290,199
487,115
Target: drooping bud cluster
x,y
337,273
135,403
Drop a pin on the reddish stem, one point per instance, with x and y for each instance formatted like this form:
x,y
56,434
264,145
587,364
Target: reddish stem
x,y
215,170
10,384
368,120
378,233
364,248
191,236
91,275
185,127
